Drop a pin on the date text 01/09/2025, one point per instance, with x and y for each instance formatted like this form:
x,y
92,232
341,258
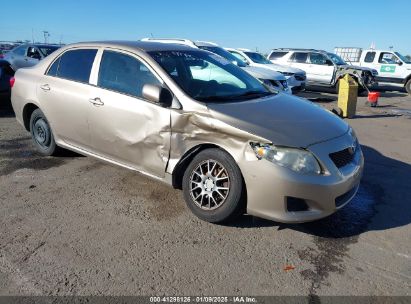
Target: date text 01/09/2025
x,y
202,299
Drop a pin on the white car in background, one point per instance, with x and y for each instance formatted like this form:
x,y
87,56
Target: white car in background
x,y
269,77
324,69
295,77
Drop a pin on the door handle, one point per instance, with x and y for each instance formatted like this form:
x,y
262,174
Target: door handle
x,y
96,101
45,87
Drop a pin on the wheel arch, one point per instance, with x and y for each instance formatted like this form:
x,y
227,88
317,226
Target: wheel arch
x,y
28,109
185,160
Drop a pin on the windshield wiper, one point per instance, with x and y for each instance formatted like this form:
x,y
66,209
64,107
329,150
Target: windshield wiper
x,y
246,95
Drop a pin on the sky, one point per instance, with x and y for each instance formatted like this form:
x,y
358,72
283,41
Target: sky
x,y
255,24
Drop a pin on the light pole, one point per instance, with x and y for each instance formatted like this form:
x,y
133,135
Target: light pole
x,y
46,36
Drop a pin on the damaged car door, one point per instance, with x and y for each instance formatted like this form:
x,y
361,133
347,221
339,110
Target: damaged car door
x,y
124,126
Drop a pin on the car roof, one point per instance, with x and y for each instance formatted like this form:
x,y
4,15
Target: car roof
x,y
298,50
188,42
145,46
44,45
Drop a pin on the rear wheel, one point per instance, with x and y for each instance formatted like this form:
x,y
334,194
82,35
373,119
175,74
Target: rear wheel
x,y
408,86
41,134
213,186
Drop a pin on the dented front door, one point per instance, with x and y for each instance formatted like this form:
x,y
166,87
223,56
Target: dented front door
x,y
130,131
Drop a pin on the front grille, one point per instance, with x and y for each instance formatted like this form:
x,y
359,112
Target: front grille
x,y
343,157
284,83
300,77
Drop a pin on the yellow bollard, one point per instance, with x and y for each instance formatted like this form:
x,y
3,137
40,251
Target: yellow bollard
x,y
347,96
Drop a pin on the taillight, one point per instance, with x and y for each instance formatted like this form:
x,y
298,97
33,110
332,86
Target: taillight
x,y
12,81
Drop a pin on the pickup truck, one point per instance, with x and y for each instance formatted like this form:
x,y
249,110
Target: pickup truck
x,y
393,68
324,69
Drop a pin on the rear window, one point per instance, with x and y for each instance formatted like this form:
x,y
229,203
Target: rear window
x,y
369,57
299,57
74,65
20,51
276,55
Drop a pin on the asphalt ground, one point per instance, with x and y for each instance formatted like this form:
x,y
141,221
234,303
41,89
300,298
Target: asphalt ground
x,y
72,225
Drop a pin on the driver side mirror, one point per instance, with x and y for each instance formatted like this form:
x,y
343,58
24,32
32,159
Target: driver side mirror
x,y
399,62
157,94
329,62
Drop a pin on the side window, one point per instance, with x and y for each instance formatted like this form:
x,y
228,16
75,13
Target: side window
x,y
74,65
316,58
239,56
124,74
299,57
33,53
276,55
388,58
369,57
20,51
54,67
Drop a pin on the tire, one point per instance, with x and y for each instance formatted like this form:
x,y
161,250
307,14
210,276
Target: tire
x,y
42,134
408,86
362,91
213,200
337,87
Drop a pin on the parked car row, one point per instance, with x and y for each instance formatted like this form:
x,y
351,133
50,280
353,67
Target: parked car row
x,y
269,77
195,120
324,69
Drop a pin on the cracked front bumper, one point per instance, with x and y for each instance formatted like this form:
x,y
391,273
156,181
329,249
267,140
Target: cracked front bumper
x,y
269,186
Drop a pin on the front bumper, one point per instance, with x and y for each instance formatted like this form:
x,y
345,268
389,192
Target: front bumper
x,y
270,186
295,85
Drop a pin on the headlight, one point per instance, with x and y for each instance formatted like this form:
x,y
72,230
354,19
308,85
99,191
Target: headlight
x,y
298,160
355,144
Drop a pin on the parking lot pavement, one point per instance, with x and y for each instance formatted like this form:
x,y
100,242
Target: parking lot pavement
x,y
73,225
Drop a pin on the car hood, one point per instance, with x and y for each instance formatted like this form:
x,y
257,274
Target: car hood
x,y
283,68
360,68
281,119
263,73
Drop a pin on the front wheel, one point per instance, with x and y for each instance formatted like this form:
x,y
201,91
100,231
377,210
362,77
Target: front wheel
x,y
213,186
41,134
408,86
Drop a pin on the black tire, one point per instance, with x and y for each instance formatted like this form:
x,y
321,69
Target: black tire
x,y
216,209
337,87
42,134
408,86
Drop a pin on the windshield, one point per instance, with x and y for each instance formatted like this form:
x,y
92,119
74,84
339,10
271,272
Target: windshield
x,y
257,58
208,77
336,59
403,58
225,54
47,50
